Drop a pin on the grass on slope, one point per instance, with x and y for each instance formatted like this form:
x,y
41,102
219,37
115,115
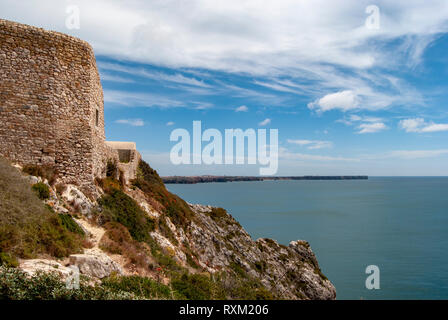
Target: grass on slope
x,y
150,183
27,227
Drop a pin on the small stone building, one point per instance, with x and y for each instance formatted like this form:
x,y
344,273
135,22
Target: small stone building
x,y
51,105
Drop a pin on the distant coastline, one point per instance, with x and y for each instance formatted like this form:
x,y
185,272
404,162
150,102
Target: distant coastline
x,y
208,179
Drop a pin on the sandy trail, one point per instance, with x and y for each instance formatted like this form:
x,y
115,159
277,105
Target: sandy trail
x,y
95,233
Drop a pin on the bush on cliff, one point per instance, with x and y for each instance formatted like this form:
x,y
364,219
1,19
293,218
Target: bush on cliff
x,y
27,227
118,240
139,286
68,223
195,287
42,190
17,285
150,183
119,207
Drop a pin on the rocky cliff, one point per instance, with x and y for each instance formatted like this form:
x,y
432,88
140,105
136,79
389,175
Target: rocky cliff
x,y
196,251
290,272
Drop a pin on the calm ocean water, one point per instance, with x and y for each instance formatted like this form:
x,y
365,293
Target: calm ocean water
x,y
398,224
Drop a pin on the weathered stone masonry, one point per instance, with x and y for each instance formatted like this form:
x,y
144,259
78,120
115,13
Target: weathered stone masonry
x,y
51,103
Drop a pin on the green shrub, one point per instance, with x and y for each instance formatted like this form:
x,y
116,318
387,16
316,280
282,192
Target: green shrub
x,y
8,260
152,185
17,285
68,223
191,261
239,271
119,207
109,184
218,213
194,286
42,190
221,215
250,290
139,286
27,227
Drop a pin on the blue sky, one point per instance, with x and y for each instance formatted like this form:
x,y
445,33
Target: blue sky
x,y
346,99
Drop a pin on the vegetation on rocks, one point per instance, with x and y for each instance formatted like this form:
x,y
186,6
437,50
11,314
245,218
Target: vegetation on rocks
x,y
68,223
27,227
139,286
17,285
177,252
42,190
119,207
118,240
149,181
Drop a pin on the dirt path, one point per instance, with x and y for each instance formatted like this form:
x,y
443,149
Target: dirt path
x,y
95,233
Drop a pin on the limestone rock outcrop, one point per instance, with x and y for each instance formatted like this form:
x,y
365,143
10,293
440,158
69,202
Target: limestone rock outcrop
x,y
33,266
291,271
77,199
95,264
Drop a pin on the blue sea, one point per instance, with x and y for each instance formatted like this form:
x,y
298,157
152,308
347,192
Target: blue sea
x,y
398,224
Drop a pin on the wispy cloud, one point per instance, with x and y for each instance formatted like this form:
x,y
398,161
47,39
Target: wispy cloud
x,y
170,123
277,87
135,99
312,144
408,154
265,122
371,127
203,105
288,155
421,126
154,75
364,124
338,62
354,118
132,122
112,78
242,109
240,92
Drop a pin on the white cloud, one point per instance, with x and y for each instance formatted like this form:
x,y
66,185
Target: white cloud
x,y
343,100
287,155
159,76
265,122
421,126
354,117
412,125
312,144
203,105
371,127
243,35
112,78
242,109
134,99
336,54
409,154
170,123
132,122
277,87
364,124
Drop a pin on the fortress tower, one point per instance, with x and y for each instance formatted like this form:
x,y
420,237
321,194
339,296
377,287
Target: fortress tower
x,y
51,105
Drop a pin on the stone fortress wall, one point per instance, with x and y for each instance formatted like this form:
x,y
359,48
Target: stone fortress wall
x,y
51,104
